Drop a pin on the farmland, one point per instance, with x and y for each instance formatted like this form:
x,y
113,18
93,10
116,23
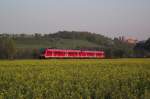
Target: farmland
x,y
75,79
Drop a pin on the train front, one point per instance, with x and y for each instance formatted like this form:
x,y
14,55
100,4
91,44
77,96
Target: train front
x,y
42,52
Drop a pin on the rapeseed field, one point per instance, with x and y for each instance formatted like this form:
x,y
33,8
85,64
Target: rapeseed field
x,y
75,79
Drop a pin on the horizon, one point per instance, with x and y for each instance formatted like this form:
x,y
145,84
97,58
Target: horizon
x,y
125,37
111,18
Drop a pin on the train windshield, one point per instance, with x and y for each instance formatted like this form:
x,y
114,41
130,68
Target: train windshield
x,y
42,50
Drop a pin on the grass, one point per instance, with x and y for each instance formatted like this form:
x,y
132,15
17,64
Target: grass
x,y
75,79
57,43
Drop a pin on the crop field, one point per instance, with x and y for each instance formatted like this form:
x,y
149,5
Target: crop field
x,y
75,79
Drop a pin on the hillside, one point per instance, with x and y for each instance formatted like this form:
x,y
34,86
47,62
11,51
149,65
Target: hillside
x,y
53,43
64,39
27,45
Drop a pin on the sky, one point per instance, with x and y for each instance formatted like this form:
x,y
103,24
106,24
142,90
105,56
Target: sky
x,y
112,18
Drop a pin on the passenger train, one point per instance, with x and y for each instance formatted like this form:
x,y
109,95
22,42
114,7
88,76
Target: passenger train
x,y
61,53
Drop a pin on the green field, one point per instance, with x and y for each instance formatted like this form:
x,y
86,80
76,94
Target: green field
x,y
75,79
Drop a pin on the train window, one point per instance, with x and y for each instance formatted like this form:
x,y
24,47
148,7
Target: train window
x,y
72,53
82,53
90,54
49,53
98,54
56,53
59,53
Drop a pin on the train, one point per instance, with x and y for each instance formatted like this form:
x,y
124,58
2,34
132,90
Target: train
x,y
68,53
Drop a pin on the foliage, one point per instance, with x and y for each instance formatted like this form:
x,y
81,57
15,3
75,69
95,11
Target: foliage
x,y
75,79
25,53
147,45
76,40
114,48
7,48
142,48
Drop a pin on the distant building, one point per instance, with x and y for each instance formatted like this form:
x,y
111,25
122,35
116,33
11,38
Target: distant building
x,y
130,40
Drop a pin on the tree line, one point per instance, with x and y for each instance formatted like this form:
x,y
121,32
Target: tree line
x,y
114,48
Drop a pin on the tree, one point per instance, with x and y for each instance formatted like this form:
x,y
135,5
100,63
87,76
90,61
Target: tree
x,y
7,48
119,53
108,52
142,48
147,45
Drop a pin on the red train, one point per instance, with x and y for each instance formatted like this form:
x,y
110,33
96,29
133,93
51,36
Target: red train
x,y
59,53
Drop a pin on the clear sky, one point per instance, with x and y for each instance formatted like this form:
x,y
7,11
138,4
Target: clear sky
x,y
108,17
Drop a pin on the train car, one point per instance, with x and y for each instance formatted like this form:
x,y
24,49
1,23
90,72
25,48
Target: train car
x,y
60,53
